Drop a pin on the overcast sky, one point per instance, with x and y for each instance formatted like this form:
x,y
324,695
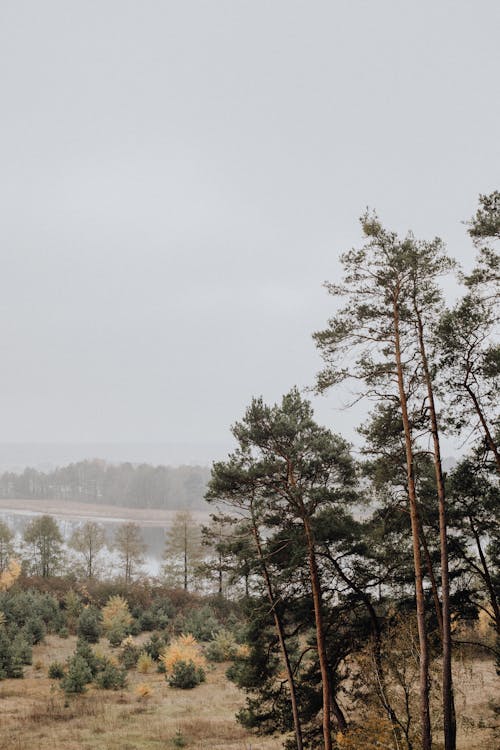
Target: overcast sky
x,y
178,179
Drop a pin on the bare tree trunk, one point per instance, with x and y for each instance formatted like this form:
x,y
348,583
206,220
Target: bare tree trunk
x,y
281,638
449,718
432,578
320,634
425,718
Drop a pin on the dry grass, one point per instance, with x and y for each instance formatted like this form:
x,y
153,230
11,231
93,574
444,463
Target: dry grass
x,y
35,715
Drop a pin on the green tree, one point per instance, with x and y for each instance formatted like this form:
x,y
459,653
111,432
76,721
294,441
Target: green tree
x,y
468,336
372,341
295,468
88,540
475,520
43,544
183,550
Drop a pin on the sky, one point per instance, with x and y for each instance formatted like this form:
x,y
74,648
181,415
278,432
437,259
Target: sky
x,y
178,179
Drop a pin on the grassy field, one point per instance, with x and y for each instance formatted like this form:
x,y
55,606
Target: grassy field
x,y
35,715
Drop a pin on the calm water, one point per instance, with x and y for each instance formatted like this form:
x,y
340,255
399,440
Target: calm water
x,y
153,536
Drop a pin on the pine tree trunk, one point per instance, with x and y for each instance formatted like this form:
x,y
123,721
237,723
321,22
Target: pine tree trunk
x,y
449,718
320,635
281,638
425,718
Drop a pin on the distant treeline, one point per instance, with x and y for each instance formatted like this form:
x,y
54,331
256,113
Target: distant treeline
x,y
140,486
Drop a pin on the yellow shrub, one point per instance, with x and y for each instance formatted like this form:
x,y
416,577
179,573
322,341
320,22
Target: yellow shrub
x,y
116,614
9,575
184,648
145,664
144,691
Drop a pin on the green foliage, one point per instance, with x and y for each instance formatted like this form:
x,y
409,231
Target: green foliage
x,y
34,630
186,675
111,677
89,625
223,647
21,607
84,651
129,654
200,622
21,649
155,646
56,670
157,616
178,739
6,658
116,636
78,675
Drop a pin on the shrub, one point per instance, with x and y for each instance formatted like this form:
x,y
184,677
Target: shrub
x,y
22,650
116,615
9,575
178,739
116,636
222,648
6,656
111,677
145,663
84,651
34,630
56,670
73,606
183,662
154,646
129,653
89,625
201,623
19,607
183,648
63,632
186,675
147,620
143,690
77,676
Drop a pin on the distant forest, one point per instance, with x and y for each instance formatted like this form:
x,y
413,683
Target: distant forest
x,y
138,486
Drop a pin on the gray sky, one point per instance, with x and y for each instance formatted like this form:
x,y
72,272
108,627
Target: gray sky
x,y
178,179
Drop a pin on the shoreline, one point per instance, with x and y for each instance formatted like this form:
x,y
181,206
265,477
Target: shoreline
x,y
74,510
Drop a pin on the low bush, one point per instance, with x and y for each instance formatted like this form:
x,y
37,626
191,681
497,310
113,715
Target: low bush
x,y
89,625
155,646
111,677
56,670
77,676
186,675
129,653
222,648
145,663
